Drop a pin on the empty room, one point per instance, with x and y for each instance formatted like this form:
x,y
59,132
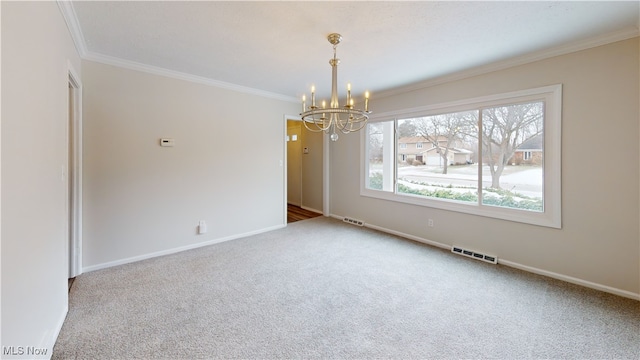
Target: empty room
x,y
331,180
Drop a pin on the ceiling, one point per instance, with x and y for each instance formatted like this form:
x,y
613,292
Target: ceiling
x,y
281,48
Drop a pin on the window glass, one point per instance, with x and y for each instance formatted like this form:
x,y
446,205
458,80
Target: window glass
x,y
496,156
445,169
380,149
507,131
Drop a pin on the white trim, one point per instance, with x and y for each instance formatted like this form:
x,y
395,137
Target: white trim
x,y
570,279
48,342
408,236
285,168
516,61
551,217
70,17
325,164
133,65
178,249
294,137
465,104
286,163
75,220
512,264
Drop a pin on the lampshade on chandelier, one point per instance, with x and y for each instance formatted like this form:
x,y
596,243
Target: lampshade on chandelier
x,y
334,118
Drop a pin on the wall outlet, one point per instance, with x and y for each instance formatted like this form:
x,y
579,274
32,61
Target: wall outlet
x,y
202,227
430,223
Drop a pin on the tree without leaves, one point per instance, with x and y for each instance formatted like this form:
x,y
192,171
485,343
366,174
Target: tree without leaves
x,y
504,129
442,131
375,142
406,129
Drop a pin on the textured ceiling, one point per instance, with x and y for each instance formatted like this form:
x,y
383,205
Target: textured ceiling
x,y
281,47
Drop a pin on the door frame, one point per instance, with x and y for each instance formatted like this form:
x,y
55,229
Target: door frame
x,y
288,141
325,167
75,173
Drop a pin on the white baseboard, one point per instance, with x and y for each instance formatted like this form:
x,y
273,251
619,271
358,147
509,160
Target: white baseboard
x,y
176,250
45,348
409,236
569,279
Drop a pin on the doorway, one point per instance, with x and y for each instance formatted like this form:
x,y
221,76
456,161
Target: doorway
x,y
74,178
294,163
305,173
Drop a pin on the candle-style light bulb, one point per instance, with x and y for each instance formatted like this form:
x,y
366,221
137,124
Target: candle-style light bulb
x,y
304,99
366,101
348,93
313,95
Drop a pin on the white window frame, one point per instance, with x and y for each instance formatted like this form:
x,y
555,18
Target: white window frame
x,y
552,192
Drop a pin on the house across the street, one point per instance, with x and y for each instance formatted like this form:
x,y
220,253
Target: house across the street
x,y
420,150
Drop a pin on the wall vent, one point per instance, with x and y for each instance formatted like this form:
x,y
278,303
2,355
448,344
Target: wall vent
x,y
353,221
473,254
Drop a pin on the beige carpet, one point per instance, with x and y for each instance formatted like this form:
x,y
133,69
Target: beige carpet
x,y
324,289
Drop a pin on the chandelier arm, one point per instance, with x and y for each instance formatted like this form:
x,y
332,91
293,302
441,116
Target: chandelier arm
x,y
310,128
361,125
320,123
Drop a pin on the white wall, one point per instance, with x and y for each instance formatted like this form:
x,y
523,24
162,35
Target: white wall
x,y
36,48
598,244
312,180
141,199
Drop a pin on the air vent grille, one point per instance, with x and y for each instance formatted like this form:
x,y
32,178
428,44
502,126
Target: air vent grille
x,y
474,254
353,221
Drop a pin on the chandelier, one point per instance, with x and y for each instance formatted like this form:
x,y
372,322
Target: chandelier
x,y
334,118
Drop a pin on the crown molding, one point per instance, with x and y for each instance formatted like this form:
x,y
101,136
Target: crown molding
x,y
69,15
516,61
132,65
